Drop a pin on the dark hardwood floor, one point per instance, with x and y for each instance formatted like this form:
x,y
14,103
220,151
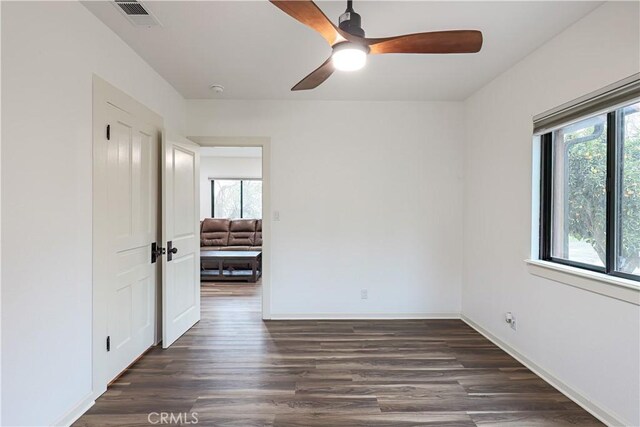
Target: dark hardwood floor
x,y
232,369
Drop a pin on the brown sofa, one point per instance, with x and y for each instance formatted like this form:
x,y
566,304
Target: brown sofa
x,y
219,234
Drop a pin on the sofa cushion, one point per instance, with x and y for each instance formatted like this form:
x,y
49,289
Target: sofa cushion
x,y
258,239
245,225
216,224
241,238
215,232
242,232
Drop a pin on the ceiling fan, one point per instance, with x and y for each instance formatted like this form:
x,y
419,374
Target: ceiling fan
x,y
351,47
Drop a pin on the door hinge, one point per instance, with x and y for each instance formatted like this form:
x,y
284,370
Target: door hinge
x,y
108,132
156,252
108,343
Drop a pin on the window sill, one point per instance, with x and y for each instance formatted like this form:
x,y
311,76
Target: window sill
x,y
603,284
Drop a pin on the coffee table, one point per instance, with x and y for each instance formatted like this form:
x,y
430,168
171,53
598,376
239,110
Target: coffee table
x,y
226,260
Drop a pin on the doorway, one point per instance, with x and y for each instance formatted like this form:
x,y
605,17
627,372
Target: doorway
x,y
235,210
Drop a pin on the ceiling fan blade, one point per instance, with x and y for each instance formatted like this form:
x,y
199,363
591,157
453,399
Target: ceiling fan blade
x,y
310,15
316,78
456,41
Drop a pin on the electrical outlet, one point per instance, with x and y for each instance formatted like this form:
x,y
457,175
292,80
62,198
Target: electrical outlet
x,y
510,318
276,215
364,294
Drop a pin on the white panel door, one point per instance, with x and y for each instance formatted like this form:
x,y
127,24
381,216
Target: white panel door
x,y
181,237
132,174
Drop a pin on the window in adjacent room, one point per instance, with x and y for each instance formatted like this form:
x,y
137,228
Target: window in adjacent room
x,y
590,193
236,198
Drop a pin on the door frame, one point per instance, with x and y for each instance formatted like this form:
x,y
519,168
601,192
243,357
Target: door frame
x,y
265,144
103,93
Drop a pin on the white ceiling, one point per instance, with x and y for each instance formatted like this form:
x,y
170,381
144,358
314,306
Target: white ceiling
x,y
257,52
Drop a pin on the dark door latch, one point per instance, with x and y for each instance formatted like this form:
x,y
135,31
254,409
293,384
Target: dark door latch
x,y
171,250
156,252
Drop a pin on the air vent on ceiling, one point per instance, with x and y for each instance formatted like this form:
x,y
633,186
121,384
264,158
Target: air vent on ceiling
x,y
136,12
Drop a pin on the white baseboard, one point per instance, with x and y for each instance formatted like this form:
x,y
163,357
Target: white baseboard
x,y
77,411
363,316
603,414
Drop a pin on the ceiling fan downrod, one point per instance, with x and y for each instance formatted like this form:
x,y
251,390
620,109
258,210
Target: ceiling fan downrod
x,y
350,21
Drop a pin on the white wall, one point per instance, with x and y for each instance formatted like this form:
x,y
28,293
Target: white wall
x,y
224,167
49,52
370,196
588,341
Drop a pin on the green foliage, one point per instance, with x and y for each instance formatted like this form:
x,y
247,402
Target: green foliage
x,y
586,187
586,190
630,197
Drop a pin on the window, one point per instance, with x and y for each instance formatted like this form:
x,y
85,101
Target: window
x,y
236,198
590,193
251,199
628,192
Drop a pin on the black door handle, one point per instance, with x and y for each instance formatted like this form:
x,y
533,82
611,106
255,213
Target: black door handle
x,y
171,250
156,252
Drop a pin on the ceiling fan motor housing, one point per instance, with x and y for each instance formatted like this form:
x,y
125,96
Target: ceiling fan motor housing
x,y
351,22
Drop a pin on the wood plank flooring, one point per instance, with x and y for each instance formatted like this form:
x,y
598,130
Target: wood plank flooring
x,y
232,369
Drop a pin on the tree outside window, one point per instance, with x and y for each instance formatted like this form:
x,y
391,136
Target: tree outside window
x,y
236,198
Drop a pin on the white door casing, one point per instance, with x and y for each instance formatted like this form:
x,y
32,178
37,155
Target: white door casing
x,y
180,231
126,141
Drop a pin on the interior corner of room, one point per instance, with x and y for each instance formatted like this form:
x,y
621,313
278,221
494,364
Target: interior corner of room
x,y
312,225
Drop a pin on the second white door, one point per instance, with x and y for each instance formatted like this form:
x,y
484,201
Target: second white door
x,y
181,237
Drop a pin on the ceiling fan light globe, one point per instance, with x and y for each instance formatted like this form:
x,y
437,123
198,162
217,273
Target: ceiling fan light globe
x,y
349,58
